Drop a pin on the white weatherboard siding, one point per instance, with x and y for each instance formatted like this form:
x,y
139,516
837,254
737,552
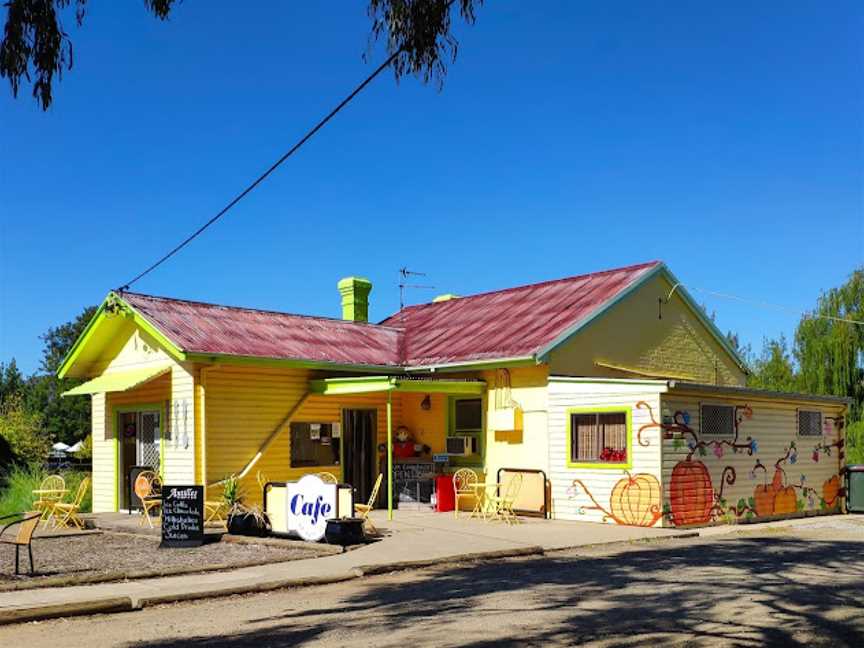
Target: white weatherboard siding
x,y
104,457
571,502
179,435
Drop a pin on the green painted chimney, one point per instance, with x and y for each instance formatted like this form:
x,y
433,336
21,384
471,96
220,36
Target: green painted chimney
x,y
355,298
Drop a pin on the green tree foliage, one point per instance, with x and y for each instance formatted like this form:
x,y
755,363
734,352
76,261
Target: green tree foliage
x,y
774,369
11,380
855,443
65,419
827,357
830,352
37,399
36,47
22,429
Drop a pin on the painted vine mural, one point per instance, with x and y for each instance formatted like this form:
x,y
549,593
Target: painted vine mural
x,y
636,499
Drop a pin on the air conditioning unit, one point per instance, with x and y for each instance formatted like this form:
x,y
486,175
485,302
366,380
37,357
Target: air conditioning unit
x,y
461,445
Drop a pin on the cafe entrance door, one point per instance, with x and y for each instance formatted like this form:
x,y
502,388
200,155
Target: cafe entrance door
x,y
359,458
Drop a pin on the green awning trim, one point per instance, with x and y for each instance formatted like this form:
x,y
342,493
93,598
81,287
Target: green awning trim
x,y
119,381
366,385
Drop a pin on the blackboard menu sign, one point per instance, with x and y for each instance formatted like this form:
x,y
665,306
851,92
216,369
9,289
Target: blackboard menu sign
x,y
182,516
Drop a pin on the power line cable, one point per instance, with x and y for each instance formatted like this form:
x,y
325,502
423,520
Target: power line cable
x,y
764,304
264,175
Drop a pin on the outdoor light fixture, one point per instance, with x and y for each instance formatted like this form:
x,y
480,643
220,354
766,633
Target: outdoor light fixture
x,y
426,403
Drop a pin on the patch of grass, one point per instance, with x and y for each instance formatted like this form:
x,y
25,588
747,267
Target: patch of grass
x,y
21,481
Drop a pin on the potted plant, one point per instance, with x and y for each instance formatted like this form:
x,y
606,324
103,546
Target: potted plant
x,y
242,519
248,521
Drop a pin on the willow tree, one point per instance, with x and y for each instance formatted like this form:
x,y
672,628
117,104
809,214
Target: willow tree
x,y
829,344
36,48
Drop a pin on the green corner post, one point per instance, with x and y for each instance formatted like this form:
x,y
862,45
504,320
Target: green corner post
x,y
389,454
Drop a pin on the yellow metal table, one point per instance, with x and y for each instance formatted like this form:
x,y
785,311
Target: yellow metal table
x,y
481,490
45,499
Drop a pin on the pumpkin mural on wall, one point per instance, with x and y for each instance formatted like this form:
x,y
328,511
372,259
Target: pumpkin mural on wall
x,y
785,501
763,500
692,497
635,500
691,494
831,491
791,497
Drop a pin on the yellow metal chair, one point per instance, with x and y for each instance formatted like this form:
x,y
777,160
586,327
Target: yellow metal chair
x,y
28,523
501,506
262,480
216,511
327,477
362,510
50,492
148,488
464,481
66,513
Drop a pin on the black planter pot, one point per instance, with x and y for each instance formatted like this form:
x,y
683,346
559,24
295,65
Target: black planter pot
x,y
345,531
248,525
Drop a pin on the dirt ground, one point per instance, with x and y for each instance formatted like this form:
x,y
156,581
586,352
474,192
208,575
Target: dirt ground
x,y
107,554
778,587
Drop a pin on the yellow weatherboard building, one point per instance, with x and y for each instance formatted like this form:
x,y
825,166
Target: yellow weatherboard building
x,y
611,392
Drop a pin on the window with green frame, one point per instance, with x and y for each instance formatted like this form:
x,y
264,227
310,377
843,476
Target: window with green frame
x,y
599,438
466,419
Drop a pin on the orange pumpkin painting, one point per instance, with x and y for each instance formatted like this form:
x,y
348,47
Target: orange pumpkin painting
x,y
763,498
785,501
635,500
831,491
691,494
777,482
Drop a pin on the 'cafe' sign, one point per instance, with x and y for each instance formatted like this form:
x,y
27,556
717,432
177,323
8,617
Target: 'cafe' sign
x,y
310,503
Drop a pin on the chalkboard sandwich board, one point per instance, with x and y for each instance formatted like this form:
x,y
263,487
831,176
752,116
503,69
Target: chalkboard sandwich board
x,y
182,516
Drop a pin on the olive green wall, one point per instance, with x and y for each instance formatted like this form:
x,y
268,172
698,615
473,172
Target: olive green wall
x,y
631,341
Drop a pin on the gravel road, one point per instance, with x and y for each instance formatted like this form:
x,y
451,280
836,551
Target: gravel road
x,y
782,587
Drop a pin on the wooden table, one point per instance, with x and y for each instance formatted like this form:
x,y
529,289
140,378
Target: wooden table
x,y
481,490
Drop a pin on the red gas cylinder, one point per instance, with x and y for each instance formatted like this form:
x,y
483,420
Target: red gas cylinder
x,y
445,493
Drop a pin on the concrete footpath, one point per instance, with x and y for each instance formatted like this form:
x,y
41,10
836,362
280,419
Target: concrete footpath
x,y
412,540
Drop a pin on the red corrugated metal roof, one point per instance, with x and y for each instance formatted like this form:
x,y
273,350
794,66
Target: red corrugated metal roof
x,y
510,323
514,322
196,327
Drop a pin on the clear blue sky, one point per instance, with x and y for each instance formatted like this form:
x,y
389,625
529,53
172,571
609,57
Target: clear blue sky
x,y
726,139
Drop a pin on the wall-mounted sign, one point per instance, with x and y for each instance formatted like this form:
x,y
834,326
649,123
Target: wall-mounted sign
x,y
182,516
308,505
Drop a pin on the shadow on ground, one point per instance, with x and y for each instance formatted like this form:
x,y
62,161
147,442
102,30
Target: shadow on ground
x,y
742,592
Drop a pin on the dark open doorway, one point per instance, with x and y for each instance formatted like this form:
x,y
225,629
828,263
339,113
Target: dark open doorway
x,y
359,451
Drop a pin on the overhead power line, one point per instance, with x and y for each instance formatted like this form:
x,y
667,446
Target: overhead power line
x,y
264,175
768,305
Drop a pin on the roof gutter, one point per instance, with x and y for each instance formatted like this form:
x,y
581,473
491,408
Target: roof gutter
x,y
240,360
683,386
512,361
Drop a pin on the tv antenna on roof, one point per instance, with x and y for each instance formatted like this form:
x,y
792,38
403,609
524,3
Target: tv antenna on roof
x,y
405,275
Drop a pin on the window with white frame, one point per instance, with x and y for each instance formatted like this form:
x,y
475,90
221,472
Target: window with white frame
x,y
717,420
809,423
